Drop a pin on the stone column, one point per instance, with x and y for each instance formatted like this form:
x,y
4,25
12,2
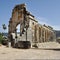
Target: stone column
x,y
44,35
41,34
37,33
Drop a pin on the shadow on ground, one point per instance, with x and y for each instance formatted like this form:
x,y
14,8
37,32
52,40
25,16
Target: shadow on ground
x,y
55,49
52,49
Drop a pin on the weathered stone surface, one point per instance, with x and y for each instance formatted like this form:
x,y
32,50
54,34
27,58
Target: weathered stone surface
x,y
36,32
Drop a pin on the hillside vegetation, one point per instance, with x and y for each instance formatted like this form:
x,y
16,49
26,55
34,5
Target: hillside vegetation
x,y
1,38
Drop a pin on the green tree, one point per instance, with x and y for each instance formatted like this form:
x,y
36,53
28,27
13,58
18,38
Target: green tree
x,y
1,38
4,26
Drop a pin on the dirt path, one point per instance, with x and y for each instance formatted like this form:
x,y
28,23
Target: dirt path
x,y
19,54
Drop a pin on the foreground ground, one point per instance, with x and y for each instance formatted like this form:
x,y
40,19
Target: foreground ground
x,y
41,53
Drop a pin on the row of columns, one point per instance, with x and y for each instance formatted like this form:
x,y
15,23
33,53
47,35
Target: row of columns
x,y
42,34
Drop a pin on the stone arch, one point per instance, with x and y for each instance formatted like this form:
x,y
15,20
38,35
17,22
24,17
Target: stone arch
x,y
18,17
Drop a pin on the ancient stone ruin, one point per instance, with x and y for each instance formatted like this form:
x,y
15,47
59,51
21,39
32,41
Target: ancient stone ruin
x,y
30,29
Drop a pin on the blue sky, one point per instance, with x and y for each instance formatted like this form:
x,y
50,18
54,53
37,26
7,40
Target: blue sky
x,y
45,11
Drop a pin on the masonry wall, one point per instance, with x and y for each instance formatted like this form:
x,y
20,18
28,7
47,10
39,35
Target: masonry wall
x,y
40,33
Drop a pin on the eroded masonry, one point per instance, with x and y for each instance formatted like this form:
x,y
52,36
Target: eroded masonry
x,y
30,29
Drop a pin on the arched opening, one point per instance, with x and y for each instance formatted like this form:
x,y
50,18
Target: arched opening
x,y
18,29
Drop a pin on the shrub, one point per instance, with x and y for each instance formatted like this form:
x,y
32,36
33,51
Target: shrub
x,y
1,38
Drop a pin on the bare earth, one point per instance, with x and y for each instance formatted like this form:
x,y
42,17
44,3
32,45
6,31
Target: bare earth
x,y
19,54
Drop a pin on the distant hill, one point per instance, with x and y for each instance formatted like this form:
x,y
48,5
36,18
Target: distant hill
x,y
5,34
57,33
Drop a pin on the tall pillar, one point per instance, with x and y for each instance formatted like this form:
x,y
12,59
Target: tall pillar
x,y
37,33
44,35
41,34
